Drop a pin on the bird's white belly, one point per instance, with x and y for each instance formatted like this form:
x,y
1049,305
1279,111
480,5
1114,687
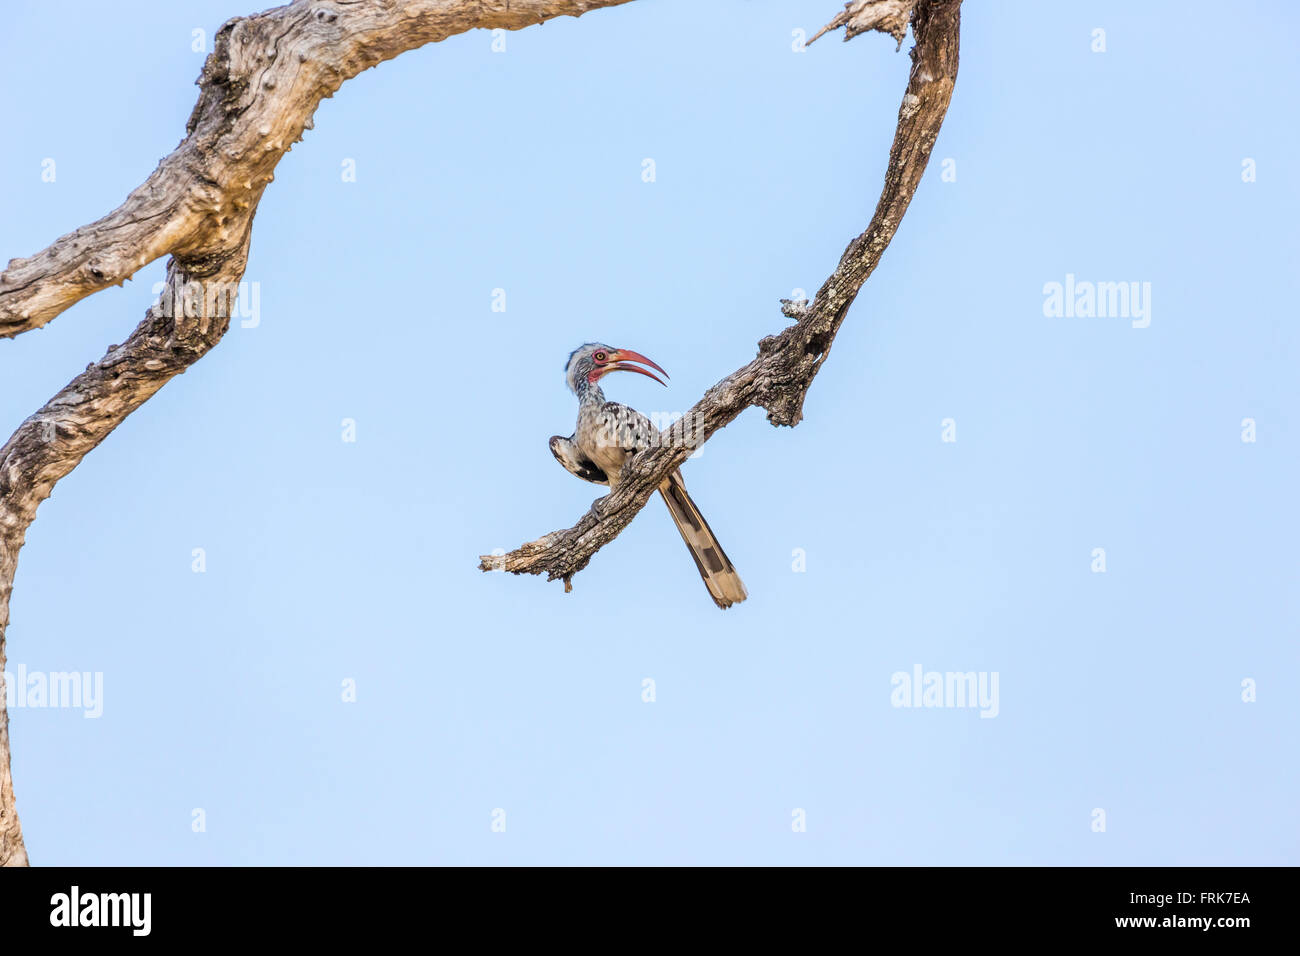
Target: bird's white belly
x,y
601,446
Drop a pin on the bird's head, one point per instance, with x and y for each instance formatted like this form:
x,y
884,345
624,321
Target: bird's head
x,y
588,364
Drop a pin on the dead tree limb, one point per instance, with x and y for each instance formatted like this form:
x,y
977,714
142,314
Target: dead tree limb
x,y
862,16
779,378
257,94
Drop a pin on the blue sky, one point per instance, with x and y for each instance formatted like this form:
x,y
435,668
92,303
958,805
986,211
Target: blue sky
x,y
331,561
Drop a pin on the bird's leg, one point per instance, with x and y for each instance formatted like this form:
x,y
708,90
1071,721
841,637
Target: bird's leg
x,y
601,505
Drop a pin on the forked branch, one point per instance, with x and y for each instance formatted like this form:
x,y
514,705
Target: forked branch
x,y
258,91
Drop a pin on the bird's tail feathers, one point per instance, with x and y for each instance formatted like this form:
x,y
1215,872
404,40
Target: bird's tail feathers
x,y
715,567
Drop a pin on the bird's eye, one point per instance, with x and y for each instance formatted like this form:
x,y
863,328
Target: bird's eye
x,y
600,356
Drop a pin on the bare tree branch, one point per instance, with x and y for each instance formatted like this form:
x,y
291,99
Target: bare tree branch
x,y
779,378
861,16
258,91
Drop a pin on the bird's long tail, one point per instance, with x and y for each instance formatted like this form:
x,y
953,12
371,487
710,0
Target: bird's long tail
x,y
719,576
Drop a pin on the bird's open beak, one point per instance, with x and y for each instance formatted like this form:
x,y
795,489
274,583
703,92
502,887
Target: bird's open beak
x,y
622,359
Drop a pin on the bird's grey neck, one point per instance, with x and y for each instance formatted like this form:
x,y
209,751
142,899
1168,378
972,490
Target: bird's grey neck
x,y
589,393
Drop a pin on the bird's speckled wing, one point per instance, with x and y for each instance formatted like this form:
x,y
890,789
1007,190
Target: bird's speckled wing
x,y
608,434
631,430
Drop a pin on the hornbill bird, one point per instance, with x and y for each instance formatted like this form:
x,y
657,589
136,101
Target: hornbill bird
x,y
608,433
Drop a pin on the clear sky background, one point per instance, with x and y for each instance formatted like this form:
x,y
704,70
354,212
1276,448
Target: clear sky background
x,y
329,560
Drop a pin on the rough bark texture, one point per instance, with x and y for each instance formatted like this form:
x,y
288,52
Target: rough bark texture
x,y
258,90
778,379
12,850
861,16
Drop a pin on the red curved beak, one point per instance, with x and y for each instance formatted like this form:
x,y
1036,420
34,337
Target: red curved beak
x,y
622,358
